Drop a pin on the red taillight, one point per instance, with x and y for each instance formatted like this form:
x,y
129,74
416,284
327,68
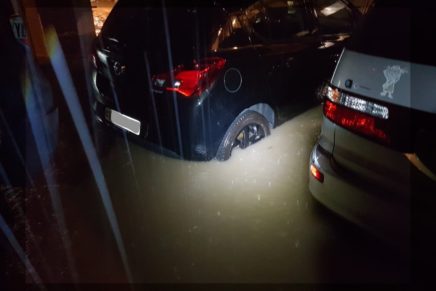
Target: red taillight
x,y
193,82
316,173
356,113
354,120
187,82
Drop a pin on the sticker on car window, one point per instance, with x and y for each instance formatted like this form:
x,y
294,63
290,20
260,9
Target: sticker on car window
x,y
392,75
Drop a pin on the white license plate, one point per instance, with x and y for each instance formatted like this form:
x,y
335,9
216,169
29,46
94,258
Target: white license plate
x,y
124,121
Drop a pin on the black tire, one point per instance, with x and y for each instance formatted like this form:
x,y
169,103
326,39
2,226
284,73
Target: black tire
x,y
253,127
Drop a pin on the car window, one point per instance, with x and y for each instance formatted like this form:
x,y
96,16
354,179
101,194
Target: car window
x,y
258,20
231,34
278,20
287,19
333,16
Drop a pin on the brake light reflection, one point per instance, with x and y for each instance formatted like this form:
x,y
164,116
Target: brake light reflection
x,y
316,173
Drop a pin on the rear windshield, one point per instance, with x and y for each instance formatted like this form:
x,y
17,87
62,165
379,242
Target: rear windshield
x,y
392,29
173,36
385,32
135,21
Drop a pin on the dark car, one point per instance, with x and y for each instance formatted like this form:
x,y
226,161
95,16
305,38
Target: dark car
x,y
201,78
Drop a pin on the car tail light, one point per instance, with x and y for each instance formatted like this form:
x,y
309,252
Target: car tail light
x,y
316,173
357,114
191,82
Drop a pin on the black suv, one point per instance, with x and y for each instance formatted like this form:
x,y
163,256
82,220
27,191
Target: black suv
x,y
200,78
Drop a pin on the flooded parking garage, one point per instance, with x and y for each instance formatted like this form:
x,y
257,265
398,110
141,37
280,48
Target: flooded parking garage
x,y
136,216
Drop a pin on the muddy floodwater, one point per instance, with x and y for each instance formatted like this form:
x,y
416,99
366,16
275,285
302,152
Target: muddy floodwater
x,y
249,219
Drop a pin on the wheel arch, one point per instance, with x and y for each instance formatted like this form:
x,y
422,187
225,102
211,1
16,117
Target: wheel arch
x,y
266,110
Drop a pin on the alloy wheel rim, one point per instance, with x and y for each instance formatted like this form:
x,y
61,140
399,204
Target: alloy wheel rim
x,y
248,135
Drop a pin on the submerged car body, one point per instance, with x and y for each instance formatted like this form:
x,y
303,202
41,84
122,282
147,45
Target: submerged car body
x,y
378,137
201,78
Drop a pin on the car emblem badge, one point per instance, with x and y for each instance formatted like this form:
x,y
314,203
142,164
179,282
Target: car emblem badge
x,y
392,75
160,82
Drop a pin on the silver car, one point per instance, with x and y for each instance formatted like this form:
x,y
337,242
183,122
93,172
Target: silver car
x,y
376,154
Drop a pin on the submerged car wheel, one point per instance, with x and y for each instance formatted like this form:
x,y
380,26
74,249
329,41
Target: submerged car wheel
x,y
247,129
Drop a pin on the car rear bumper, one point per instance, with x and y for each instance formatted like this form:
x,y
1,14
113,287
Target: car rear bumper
x,y
374,210
165,140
